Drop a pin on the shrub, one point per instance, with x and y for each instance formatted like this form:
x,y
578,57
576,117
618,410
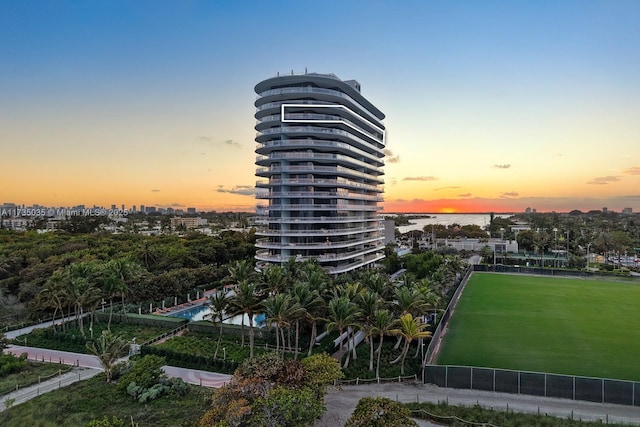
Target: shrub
x,y
380,412
145,372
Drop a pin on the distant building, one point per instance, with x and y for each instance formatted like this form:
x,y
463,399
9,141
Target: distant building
x,y
605,210
389,231
191,210
627,211
188,222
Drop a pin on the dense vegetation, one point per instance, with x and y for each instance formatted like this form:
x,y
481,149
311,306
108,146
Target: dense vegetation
x,y
78,404
48,274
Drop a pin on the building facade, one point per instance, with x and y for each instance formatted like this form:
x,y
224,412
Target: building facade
x,y
320,156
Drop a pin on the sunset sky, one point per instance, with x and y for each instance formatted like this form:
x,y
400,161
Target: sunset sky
x,y
491,105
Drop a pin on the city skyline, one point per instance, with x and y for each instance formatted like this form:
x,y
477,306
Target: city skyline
x,y
490,107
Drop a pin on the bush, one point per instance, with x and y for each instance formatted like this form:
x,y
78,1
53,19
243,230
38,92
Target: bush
x,y
380,412
10,364
145,372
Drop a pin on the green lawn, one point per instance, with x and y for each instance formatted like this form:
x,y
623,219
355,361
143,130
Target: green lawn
x,y
546,324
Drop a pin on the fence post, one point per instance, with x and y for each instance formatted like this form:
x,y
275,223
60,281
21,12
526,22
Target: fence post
x,y
519,389
574,388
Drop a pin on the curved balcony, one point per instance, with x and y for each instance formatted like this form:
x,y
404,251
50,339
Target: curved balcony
x,y
319,233
268,121
327,207
263,135
327,245
265,255
278,145
319,195
317,158
323,220
343,183
285,93
317,170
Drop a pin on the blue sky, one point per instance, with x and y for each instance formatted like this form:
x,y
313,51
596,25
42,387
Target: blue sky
x,y
494,105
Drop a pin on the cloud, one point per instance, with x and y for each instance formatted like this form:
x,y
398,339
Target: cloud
x,y
155,191
216,143
510,194
507,166
176,205
446,188
232,142
242,190
420,178
632,171
390,157
465,195
603,180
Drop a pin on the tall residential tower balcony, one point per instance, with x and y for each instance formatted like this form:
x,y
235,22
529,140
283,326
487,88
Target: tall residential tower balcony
x,y
320,156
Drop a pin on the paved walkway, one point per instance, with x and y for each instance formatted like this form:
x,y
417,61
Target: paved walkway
x,y
341,403
87,366
56,383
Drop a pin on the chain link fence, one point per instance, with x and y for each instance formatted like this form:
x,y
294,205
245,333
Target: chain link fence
x,y
599,390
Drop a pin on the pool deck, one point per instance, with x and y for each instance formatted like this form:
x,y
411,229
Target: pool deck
x,y
168,311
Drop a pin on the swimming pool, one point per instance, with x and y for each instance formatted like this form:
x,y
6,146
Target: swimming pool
x,y
199,312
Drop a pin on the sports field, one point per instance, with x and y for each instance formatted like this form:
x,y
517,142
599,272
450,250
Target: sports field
x,y
546,324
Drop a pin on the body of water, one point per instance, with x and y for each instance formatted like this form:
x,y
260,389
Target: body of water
x,y
200,312
448,219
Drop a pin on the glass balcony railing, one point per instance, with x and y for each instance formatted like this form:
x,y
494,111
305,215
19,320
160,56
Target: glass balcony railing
x,y
322,232
309,143
313,156
365,145
313,169
309,117
323,220
316,207
317,90
339,182
319,195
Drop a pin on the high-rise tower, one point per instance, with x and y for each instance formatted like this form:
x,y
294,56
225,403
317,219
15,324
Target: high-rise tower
x,y
320,152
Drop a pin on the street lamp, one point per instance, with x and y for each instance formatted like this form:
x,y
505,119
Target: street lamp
x,y
588,246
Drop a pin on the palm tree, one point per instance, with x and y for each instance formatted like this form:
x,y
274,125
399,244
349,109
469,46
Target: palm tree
x,y
309,301
247,301
147,254
274,279
343,314
410,328
54,294
81,291
382,324
121,271
378,283
279,309
218,303
241,271
368,302
108,348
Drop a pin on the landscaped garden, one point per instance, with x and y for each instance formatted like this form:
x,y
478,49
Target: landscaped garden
x,y
583,327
